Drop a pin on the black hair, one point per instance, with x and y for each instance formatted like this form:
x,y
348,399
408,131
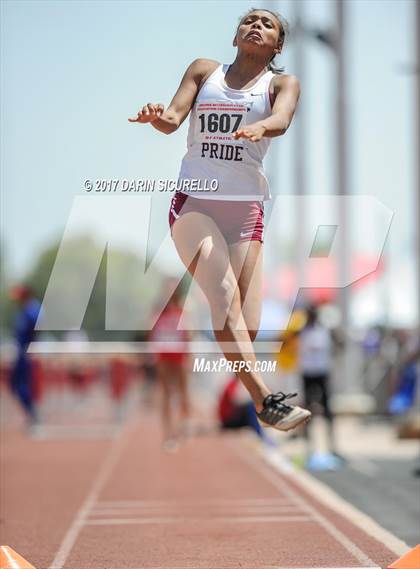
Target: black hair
x,y
283,33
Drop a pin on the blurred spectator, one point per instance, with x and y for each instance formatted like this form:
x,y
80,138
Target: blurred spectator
x,y
405,377
22,374
172,370
315,355
236,410
121,372
146,372
76,362
288,356
372,341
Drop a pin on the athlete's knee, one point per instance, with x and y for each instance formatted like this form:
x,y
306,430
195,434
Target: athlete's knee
x,y
221,295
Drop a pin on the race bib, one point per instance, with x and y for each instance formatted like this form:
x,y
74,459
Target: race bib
x,y
216,121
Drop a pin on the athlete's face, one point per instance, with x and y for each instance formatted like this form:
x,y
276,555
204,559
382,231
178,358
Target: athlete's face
x,y
258,29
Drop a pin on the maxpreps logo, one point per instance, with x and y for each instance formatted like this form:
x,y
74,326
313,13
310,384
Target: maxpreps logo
x,y
202,365
116,219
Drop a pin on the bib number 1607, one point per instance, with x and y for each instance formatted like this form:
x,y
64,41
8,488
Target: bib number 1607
x,y
219,123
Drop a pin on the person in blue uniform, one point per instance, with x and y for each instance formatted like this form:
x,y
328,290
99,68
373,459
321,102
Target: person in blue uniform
x,y
21,378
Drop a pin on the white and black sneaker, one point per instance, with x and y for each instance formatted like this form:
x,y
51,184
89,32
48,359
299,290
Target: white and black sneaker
x,y
278,415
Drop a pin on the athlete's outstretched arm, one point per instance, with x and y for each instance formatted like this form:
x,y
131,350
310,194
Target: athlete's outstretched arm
x,y
288,90
169,120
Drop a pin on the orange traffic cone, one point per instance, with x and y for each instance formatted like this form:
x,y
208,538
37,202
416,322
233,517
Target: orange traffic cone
x,y
411,560
9,559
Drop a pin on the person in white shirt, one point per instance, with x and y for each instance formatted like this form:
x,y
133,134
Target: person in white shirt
x,y
315,360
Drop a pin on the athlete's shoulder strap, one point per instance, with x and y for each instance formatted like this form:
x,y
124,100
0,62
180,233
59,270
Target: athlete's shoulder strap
x,y
213,75
216,73
267,77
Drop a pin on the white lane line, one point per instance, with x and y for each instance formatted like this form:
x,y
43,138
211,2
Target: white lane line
x,y
181,508
332,500
216,501
79,432
99,482
284,487
195,520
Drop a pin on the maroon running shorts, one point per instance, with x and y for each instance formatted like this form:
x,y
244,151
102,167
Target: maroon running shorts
x,y
237,220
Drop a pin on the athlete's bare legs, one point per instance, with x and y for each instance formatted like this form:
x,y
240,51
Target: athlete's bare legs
x,y
246,259
181,376
203,250
163,372
173,380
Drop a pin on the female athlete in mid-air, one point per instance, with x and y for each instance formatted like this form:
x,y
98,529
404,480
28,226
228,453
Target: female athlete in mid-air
x,y
235,110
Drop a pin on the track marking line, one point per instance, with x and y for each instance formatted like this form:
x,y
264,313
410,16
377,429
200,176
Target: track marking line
x,y
99,482
282,485
79,432
218,519
181,511
198,502
181,506
334,501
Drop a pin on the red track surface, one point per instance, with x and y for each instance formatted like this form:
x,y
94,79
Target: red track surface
x,y
124,504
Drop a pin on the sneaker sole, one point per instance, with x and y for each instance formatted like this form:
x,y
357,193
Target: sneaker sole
x,y
287,427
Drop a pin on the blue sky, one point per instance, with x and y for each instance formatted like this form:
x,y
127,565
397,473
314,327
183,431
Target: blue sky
x,y
73,71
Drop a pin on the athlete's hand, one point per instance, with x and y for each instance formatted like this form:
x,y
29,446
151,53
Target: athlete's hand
x,y
149,113
252,132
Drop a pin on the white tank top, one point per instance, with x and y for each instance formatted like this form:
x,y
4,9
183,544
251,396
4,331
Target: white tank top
x,y
213,154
